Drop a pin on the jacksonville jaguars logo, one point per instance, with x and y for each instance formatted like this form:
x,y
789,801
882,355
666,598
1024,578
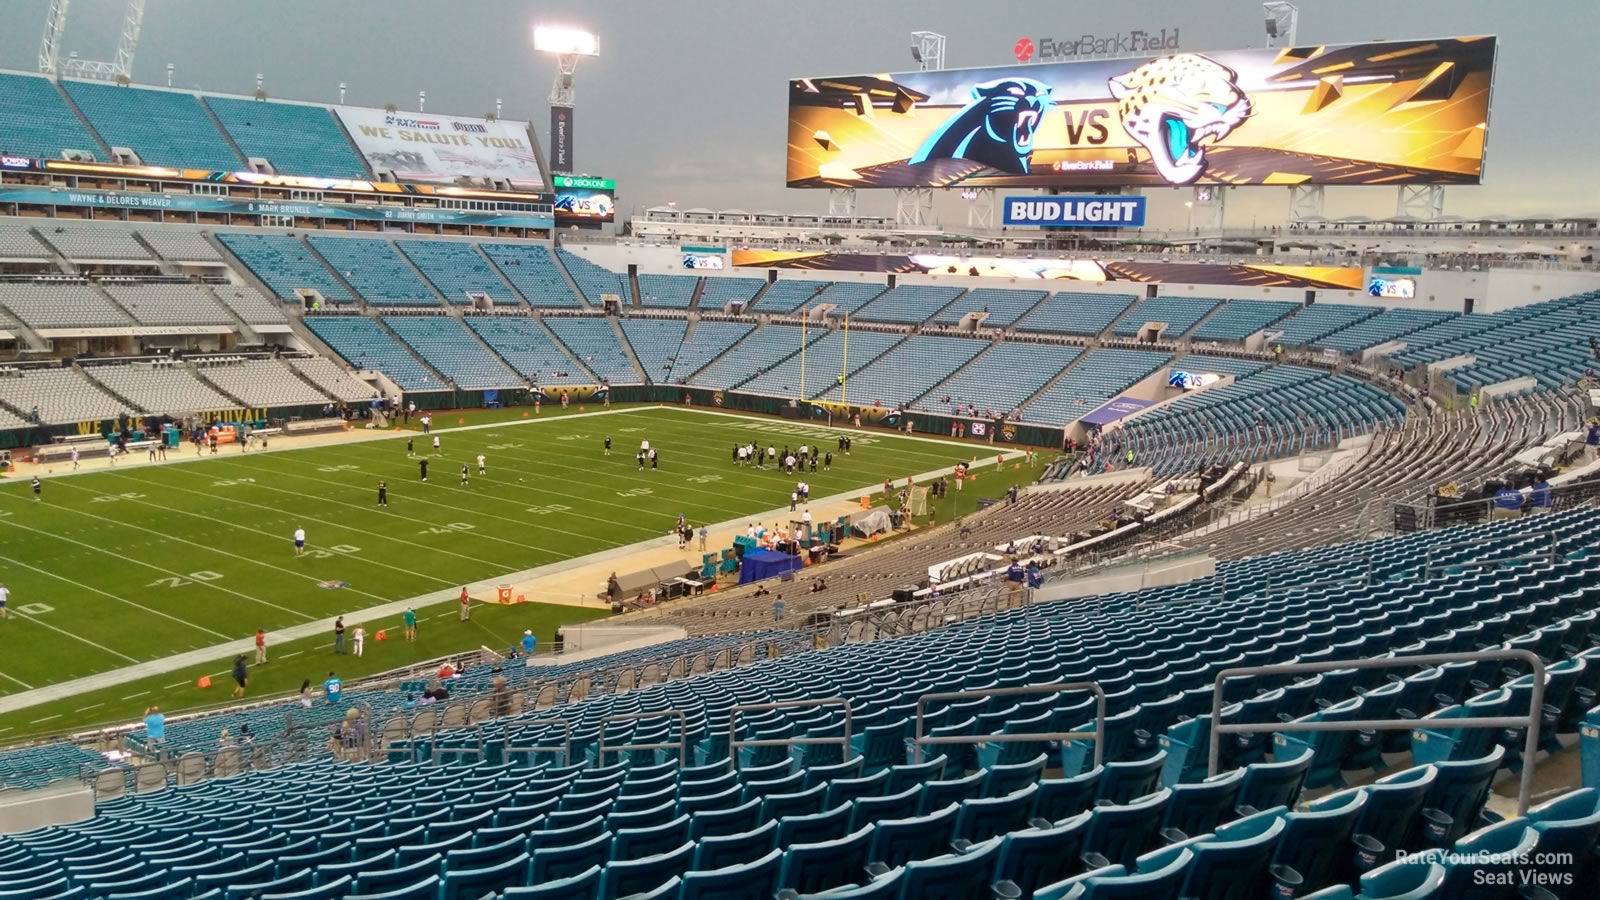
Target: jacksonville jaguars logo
x,y
1177,105
996,129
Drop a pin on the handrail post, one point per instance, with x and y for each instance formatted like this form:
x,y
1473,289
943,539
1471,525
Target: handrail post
x,y
566,743
1531,721
681,744
1098,734
845,747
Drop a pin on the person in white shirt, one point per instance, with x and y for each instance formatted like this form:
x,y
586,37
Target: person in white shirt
x,y
436,443
806,518
482,465
5,597
644,447
74,457
750,532
299,541
358,639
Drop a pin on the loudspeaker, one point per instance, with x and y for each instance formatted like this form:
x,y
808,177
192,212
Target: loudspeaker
x,y
905,593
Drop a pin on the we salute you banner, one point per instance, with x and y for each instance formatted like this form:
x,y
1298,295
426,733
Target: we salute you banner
x,y
426,147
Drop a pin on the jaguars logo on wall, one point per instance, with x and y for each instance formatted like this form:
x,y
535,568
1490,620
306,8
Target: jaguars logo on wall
x,y
1008,433
716,398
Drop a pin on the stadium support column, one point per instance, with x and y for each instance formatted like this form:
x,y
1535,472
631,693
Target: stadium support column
x,y
913,206
1207,209
1305,202
842,203
980,207
1425,201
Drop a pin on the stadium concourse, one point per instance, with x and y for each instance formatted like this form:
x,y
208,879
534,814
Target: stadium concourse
x,y
1177,580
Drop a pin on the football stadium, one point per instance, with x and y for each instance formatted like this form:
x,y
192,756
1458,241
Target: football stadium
x,y
390,508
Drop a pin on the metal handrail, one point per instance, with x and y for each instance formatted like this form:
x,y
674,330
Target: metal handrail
x,y
1098,734
565,749
1531,721
681,744
733,727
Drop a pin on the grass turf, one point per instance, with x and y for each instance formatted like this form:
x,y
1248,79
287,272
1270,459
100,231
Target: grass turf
x,y
116,567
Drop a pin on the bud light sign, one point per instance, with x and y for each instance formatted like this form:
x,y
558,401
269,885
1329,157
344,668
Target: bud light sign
x,y
1076,212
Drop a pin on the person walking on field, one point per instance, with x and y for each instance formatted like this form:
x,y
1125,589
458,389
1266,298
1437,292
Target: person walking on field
x,y
358,640
261,646
338,635
466,605
241,677
410,619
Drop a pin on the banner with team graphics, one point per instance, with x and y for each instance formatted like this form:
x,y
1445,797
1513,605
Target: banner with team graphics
x,y
1382,113
428,147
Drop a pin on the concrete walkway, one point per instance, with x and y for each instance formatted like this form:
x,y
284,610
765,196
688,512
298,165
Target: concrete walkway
x,y
572,582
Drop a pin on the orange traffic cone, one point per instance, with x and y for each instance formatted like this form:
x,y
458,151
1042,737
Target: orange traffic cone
x,y
204,682
460,420
381,635
524,414
580,407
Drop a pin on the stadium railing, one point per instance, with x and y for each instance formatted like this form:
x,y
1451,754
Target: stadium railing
x,y
1531,721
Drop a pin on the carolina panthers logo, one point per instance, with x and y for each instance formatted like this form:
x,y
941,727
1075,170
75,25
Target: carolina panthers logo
x,y
995,129
1175,106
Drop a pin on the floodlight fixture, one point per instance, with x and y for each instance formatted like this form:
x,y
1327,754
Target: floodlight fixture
x,y
565,41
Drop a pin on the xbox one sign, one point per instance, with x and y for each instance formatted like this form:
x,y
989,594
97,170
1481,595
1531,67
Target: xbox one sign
x,y
1076,212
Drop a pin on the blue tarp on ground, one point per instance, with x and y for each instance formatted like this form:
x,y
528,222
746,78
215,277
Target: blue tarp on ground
x,y
759,564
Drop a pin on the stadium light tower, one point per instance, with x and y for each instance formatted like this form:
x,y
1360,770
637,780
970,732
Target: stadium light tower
x,y
567,45
121,66
1282,20
927,48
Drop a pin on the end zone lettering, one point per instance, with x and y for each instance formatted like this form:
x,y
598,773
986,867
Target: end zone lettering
x,y
1081,212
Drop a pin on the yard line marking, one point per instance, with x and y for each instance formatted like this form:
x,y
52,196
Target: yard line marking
x,y
76,637
136,696
288,655
169,687
277,538
89,707
115,597
525,523
364,533
210,584
45,719
17,680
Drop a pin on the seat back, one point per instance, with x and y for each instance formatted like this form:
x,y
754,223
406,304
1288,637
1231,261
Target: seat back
x,y
1034,857
1274,784
1121,833
757,878
1124,781
1198,809
813,867
953,876
899,840
734,849
556,863
981,818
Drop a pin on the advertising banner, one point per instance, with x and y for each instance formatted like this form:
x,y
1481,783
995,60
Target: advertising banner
x,y
1076,212
584,198
201,203
561,139
1389,113
1347,278
428,147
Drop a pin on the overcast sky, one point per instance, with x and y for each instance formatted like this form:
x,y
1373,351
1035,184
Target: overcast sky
x,y
687,104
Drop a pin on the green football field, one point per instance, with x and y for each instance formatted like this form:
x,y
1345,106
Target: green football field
x,y
120,566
